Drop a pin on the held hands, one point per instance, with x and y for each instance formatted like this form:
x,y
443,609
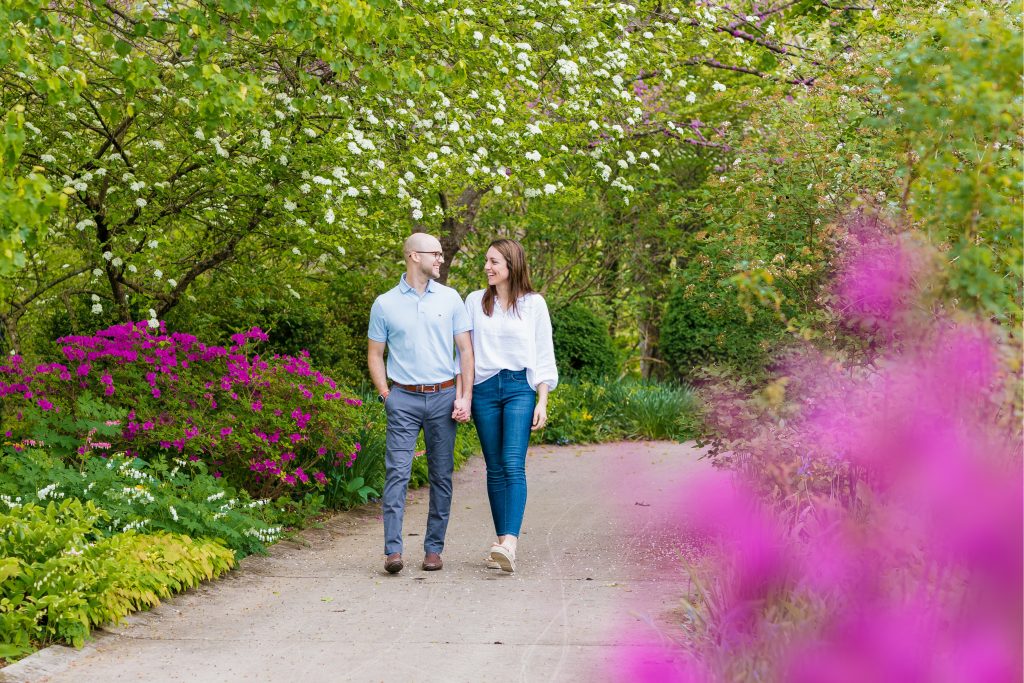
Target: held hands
x,y
461,411
540,417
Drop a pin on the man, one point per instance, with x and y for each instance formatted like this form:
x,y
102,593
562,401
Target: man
x,y
419,321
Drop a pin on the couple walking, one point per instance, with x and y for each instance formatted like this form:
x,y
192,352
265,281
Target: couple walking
x,y
500,376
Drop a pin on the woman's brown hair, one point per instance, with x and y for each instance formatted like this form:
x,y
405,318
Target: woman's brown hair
x,y
518,276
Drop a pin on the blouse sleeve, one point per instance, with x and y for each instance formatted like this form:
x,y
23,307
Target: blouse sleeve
x,y
546,371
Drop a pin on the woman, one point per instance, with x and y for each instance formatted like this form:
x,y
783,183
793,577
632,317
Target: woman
x,y
514,369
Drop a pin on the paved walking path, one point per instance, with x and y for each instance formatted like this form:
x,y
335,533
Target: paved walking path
x,y
594,556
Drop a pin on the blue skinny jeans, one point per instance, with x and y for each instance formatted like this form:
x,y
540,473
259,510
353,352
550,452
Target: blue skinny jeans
x,y
503,414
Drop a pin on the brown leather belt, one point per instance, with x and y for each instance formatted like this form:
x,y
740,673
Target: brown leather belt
x,y
425,388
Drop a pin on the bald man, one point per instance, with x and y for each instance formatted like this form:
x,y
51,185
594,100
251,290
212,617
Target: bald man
x,y
420,322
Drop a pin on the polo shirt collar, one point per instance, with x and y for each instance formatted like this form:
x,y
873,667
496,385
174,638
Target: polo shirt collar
x,y
405,287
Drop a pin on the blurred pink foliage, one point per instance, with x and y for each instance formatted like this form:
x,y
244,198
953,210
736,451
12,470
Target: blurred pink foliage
x,y
910,571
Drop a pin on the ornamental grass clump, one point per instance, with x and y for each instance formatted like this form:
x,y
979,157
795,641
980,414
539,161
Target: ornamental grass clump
x,y
868,525
271,425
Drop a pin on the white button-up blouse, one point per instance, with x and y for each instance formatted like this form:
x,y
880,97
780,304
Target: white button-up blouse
x,y
506,341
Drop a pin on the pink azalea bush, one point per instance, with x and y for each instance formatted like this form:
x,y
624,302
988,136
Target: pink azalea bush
x,y
867,523
271,425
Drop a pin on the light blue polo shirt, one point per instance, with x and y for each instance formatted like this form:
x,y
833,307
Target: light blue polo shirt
x,y
419,331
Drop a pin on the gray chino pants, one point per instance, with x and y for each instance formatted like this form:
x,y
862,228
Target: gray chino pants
x,y
407,413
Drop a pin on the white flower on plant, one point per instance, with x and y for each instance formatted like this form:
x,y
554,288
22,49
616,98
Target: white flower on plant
x,y
445,149
289,205
304,188
454,126
550,189
409,177
85,223
95,298
691,97
352,192
153,323
531,192
703,42
97,309
171,282
718,86
199,134
47,159
96,272
137,185
107,255
533,156
117,262
329,216
296,251
153,244
622,163
497,189
174,513
140,202
45,492
417,214
655,167
158,274
498,121
132,268
568,68
477,36
309,132
81,187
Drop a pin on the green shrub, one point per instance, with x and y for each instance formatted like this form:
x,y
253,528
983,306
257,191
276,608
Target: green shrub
x,y
657,411
581,413
705,324
60,577
583,346
589,412
179,497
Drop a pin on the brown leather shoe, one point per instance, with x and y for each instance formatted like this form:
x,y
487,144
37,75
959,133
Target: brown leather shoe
x,y
432,562
393,563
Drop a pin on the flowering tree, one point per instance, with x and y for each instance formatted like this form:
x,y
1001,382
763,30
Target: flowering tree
x,y
188,135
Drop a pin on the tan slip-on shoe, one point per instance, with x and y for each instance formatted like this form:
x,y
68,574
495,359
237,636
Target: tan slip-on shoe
x,y
505,557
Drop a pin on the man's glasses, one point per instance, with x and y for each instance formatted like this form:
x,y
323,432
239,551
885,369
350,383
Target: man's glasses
x,y
438,255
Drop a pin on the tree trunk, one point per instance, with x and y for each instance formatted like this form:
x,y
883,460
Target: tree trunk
x,y
459,221
649,334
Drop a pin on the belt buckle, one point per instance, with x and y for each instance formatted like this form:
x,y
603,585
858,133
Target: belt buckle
x,y
429,388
